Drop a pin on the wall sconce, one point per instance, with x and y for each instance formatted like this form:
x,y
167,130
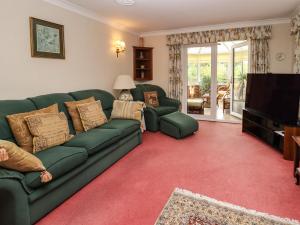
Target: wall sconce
x,y
120,47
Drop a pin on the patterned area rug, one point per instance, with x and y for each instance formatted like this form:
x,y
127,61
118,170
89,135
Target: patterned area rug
x,y
187,208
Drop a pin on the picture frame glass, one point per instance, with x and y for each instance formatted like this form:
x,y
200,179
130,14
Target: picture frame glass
x,y
47,39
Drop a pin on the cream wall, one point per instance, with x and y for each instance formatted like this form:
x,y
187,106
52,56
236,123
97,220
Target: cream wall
x,y
90,59
283,42
280,42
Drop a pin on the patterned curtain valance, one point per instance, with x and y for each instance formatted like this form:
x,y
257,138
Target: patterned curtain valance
x,y
213,36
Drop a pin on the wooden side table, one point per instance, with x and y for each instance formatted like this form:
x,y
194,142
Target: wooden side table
x,y
297,159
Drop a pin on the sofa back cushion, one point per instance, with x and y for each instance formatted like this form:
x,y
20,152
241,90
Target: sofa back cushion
x,y
8,107
43,101
105,97
138,92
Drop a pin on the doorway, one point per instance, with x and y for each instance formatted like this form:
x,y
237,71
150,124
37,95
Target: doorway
x,y
214,80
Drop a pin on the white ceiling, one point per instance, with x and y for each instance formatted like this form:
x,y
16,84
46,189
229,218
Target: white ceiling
x,y
153,15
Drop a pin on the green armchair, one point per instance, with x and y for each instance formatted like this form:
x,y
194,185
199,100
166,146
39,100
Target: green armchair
x,y
151,114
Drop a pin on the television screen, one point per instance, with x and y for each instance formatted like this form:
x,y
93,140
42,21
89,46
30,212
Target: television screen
x,y
276,96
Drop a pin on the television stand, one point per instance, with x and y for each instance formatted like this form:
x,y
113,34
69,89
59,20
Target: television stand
x,y
279,136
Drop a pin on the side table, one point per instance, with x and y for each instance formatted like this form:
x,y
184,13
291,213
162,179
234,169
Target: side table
x,y
296,160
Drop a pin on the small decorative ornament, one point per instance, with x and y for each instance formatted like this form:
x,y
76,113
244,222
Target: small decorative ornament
x,y
280,56
141,55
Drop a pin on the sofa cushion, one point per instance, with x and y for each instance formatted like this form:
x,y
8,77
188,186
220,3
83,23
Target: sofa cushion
x,y
125,126
73,111
8,107
48,130
163,110
132,110
20,129
58,161
91,115
151,98
43,101
95,140
19,159
105,97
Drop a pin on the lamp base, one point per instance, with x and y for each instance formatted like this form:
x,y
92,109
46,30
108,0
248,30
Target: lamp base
x,y
125,95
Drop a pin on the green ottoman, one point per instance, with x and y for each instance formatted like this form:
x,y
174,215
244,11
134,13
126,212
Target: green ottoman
x,y
178,125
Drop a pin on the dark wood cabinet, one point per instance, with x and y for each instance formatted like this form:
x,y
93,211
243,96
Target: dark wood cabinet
x,y
277,135
142,63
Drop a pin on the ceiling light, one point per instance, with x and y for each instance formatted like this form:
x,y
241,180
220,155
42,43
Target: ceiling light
x,y
126,2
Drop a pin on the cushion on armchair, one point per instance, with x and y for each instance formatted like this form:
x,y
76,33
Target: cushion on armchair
x,y
163,110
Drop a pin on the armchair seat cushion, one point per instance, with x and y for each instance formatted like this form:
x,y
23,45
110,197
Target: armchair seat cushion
x,y
58,161
163,110
95,140
125,126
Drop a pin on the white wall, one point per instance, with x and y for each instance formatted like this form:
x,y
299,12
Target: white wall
x,y
90,58
281,42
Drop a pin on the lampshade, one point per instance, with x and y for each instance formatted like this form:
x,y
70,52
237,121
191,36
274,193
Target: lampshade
x,y
123,82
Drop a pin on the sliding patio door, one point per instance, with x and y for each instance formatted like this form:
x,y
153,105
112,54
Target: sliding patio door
x,y
240,68
199,95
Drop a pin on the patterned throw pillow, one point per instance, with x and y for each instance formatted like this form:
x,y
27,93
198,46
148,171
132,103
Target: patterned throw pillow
x,y
20,129
48,130
91,115
72,109
127,110
151,98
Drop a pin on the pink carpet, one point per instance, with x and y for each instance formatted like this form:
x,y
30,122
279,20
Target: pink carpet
x,y
219,161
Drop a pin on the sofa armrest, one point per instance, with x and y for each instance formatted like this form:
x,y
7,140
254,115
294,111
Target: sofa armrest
x,y
14,206
170,102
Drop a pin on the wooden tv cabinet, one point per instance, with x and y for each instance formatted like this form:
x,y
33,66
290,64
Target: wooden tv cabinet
x,y
275,134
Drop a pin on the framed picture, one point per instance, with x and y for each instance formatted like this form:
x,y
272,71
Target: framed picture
x,y
47,39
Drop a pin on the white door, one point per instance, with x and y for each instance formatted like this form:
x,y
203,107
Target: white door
x,y
240,68
200,76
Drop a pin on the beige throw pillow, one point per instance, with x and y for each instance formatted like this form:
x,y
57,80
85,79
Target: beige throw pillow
x,y
91,115
20,129
127,110
72,109
48,130
22,161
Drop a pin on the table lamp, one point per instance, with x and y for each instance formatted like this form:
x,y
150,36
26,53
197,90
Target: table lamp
x,y
124,83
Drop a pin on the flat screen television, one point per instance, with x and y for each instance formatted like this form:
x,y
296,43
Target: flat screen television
x,y
276,96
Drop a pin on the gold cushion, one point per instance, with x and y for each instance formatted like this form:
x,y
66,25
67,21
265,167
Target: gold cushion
x,y
20,129
20,160
91,115
151,98
72,109
48,130
127,110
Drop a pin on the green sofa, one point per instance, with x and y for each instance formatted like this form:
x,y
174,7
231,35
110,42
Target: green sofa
x,y
23,198
151,114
